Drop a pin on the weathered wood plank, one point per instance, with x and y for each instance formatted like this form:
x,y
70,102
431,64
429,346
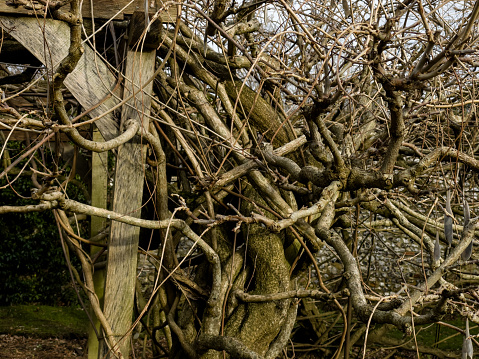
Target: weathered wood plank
x,y
104,9
90,82
99,196
129,177
136,34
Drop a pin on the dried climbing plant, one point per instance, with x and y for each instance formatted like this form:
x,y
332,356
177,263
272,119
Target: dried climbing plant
x,y
291,152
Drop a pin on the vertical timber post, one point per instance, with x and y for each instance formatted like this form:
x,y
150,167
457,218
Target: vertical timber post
x,y
128,192
99,188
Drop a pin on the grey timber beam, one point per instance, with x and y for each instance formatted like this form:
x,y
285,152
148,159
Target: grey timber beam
x,y
127,199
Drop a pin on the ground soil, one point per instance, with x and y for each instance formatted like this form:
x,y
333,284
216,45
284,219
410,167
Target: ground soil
x,y
25,347
20,347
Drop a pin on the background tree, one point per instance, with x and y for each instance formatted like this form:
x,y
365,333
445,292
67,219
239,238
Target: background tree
x,y
267,133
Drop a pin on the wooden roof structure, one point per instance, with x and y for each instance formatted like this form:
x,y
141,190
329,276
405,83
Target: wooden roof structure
x,y
99,89
102,9
18,21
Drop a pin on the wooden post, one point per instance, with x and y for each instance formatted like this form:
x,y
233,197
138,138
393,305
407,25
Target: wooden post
x,y
129,177
99,189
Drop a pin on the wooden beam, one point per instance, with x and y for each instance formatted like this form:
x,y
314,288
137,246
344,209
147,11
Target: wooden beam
x,y
91,82
138,39
104,9
128,193
99,196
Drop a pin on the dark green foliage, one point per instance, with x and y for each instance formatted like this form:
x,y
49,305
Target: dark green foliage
x,y
32,266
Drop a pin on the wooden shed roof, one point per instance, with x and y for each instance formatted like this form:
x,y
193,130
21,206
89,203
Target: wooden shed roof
x,y
102,9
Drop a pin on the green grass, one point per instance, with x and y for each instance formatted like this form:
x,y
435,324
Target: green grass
x,y
43,321
449,338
